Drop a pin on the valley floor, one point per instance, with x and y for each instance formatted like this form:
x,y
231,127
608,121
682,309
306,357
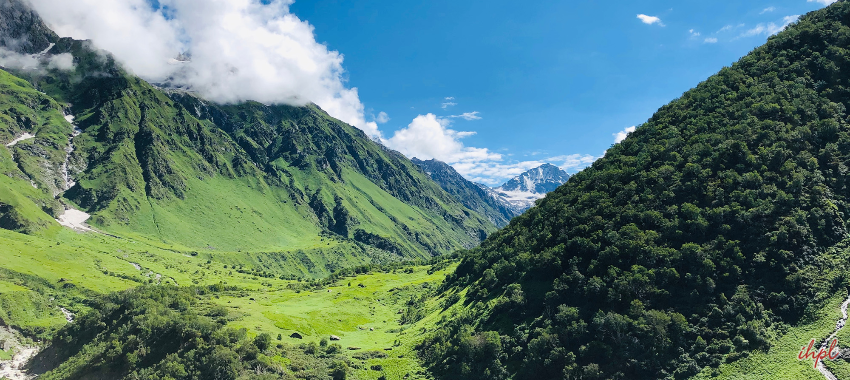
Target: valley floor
x,y
45,279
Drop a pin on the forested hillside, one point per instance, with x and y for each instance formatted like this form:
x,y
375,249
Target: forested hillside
x,y
696,240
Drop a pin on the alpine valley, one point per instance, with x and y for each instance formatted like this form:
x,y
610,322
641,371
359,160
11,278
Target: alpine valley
x,y
149,233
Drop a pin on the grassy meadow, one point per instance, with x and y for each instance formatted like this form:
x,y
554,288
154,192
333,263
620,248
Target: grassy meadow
x,y
62,268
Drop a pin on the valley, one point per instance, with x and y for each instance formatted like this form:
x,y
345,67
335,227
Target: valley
x,y
148,232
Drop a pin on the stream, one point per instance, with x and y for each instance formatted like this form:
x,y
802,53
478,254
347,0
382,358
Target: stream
x,y
66,176
838,326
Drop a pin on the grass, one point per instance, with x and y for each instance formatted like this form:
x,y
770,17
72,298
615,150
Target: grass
x,y
364,315
36,272
62,268
780,362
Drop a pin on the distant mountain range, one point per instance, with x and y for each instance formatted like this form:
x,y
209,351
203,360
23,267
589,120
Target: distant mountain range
x,y
499,204
522,191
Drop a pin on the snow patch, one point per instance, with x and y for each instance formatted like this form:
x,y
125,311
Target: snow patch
x,y
520,196
25,136
75,220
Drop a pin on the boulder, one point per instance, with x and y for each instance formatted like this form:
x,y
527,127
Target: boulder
x,y
296,336
334,337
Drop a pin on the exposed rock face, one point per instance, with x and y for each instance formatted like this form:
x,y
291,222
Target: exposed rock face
x,y
521,193
22,30
540,180
470,194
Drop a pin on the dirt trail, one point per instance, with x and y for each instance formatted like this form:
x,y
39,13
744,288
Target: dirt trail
x,y
838,326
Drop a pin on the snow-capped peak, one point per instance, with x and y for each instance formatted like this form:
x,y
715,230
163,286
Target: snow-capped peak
x,y
521,192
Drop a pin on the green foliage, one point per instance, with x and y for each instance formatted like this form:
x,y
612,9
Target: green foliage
x,y
163,165
26,188
691,242
156,333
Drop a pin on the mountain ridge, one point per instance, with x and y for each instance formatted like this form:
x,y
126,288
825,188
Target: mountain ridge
x,y
522,192
170,166
470,194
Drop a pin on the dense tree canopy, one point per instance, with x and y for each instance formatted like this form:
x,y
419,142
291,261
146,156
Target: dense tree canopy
x,y
691,242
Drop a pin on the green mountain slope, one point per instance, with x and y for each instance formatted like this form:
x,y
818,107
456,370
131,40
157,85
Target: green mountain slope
x,y
471,195
31,167
191,174
694,241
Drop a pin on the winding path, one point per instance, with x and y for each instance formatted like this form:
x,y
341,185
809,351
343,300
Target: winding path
x,y
838,326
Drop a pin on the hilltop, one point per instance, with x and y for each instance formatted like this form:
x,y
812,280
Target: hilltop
x,y
713,228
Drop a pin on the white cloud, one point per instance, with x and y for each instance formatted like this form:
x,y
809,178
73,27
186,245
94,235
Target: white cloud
x,y
768,10
649,20
429,136
240,49
824,2
693,33
620,136
467,116
382,118
711,40
729,28
448,104
36,62
770,28
494,173
573,162
450,98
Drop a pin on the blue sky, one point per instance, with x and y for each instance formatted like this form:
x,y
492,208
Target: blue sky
x,y
493,88
549,80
